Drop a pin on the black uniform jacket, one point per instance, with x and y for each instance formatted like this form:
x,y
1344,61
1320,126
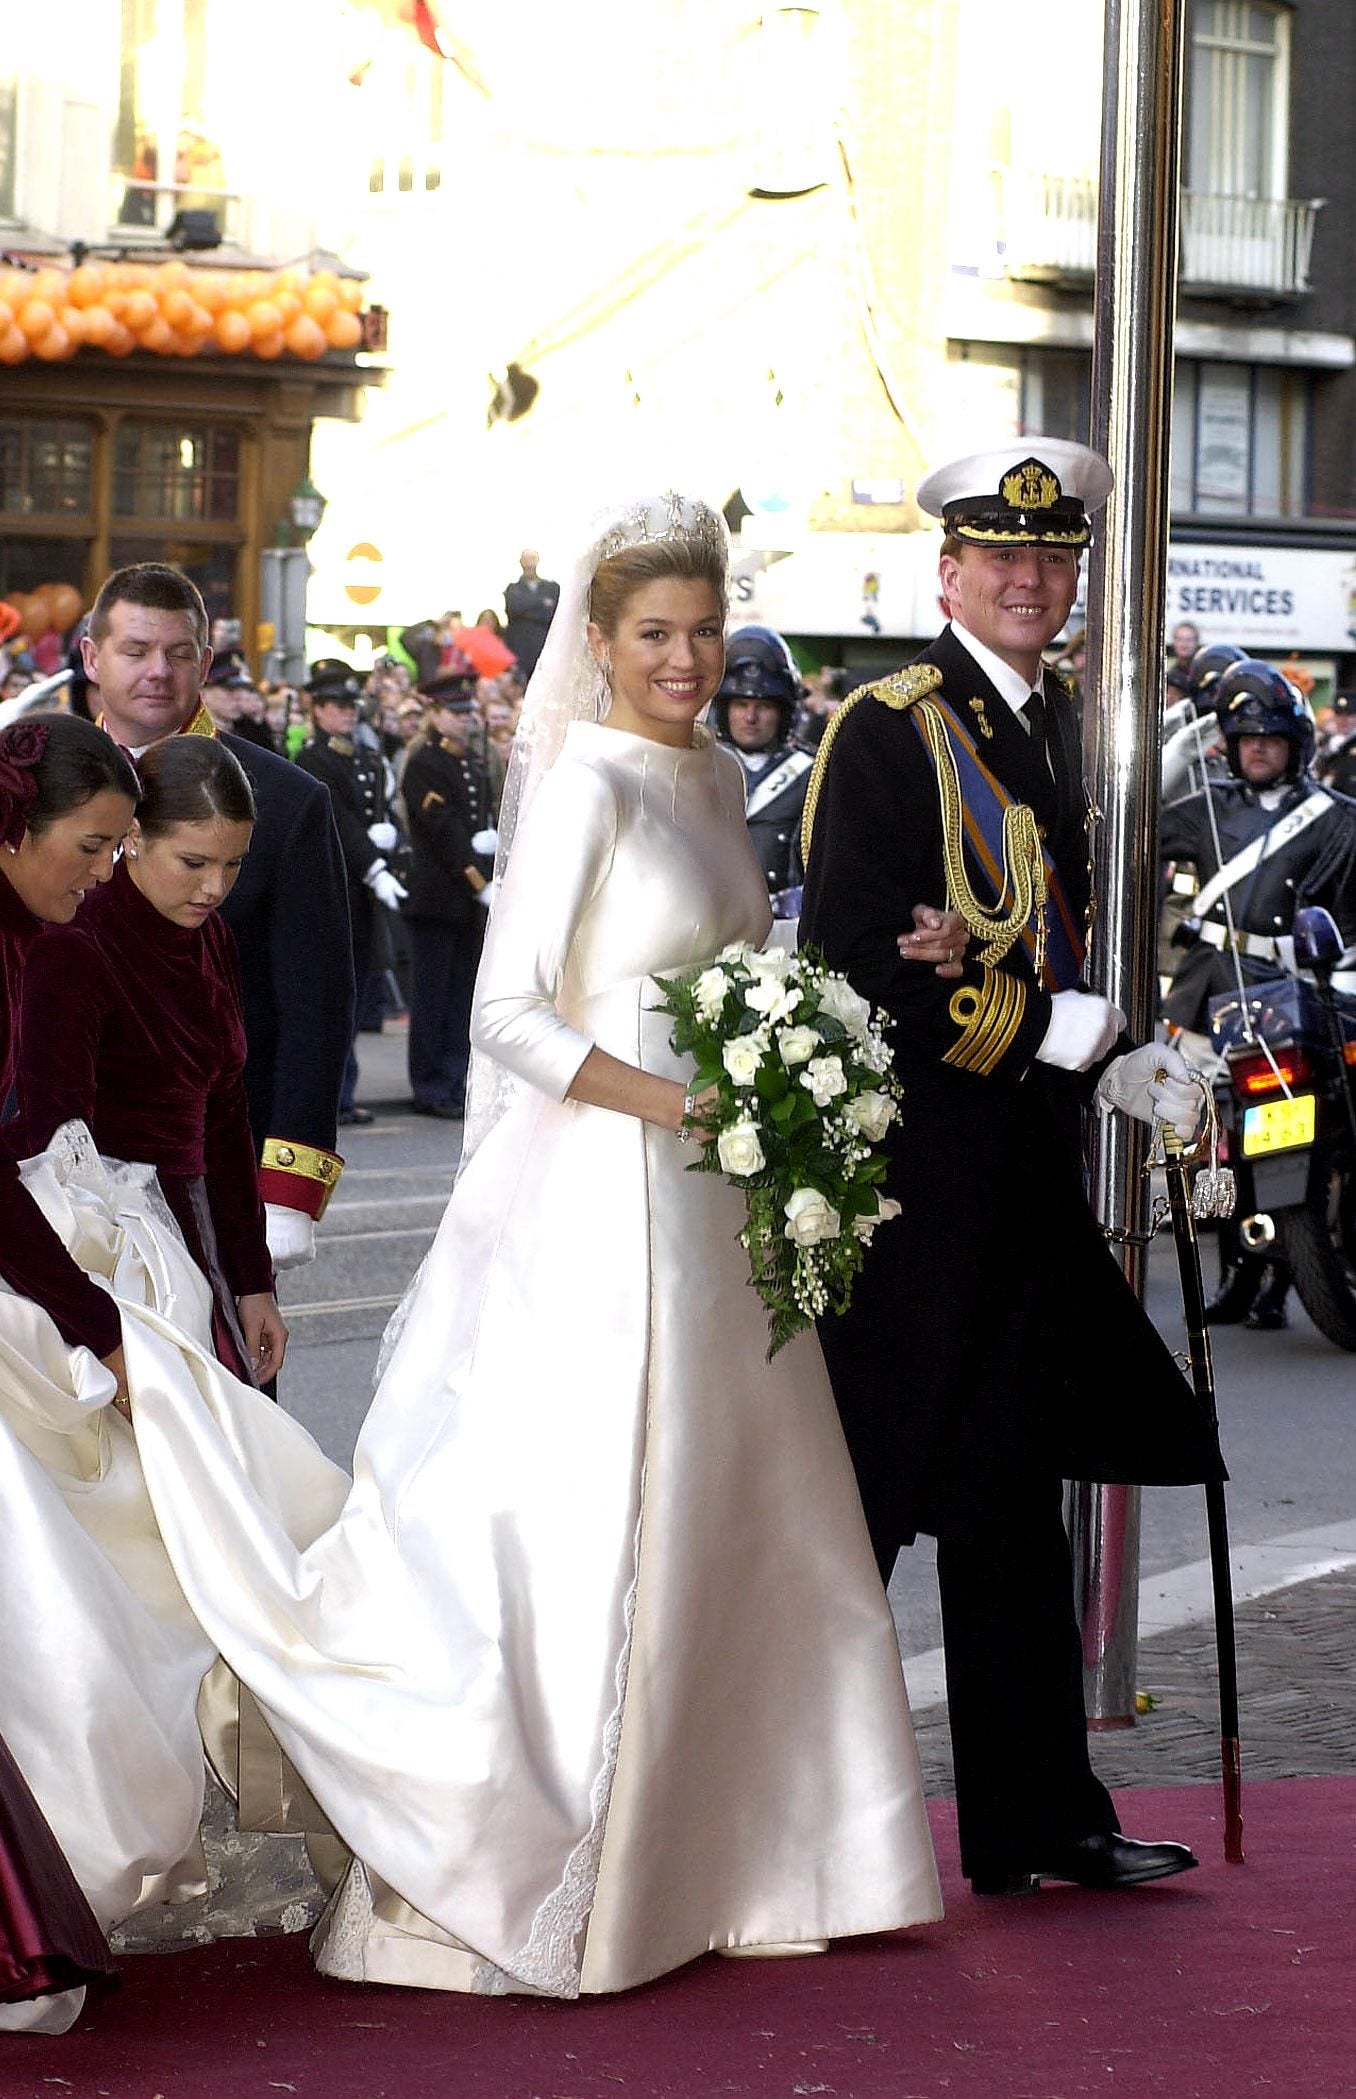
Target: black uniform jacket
x,y
991,1332
1317,865
356,784
773,801
442,819
289,914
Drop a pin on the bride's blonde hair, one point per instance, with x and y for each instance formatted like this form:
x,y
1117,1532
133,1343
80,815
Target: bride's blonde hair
x,y
689,557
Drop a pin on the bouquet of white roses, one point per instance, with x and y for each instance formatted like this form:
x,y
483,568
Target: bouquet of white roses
x,y
805,1092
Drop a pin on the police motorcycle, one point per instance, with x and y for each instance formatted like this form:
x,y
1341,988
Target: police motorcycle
x,y
1286,1096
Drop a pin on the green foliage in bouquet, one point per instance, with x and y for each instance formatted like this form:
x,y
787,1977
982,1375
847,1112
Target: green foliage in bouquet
x,y
805,1092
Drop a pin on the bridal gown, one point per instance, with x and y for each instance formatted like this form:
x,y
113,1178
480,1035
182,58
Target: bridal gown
x,y
593,1671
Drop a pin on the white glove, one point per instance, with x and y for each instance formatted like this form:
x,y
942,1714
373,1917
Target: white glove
x,y
486,896
1183,752
383,836
485,842
384,885
1082,1029
1152,1084
290,1234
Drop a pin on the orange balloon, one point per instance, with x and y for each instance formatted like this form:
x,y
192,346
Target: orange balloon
x,y
99,326
344,331
320,302
36,319
210,288
6,315
264,319
158,336
85,285
139,311
269,346
288,305
13,346
55,346
232,331
305,337
177,306
36,617
72,319
121,342
65,604
350,294
173,273
48,284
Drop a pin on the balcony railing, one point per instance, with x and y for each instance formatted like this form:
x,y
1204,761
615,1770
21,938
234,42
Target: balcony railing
x,y
1229,244
145,210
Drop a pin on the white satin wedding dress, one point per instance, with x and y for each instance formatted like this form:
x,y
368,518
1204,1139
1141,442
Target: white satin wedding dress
x,y
593,1671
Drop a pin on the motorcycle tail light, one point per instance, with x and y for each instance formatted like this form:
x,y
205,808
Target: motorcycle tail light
x,y
1254,1074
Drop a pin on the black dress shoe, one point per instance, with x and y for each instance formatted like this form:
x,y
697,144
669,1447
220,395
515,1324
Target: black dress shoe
x,y
1268,1314
1233,1300
1103,1861
353,1118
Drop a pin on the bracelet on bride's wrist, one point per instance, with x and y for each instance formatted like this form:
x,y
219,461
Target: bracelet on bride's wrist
x,y
683,1132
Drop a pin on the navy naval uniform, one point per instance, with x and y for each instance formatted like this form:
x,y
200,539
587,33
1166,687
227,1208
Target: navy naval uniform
x,y
447,801
993,1347
356,780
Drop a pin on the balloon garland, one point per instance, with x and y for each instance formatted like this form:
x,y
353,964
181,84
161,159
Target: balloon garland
x,y
176,311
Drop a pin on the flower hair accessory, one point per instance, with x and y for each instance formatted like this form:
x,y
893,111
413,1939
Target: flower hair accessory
x,y
21,750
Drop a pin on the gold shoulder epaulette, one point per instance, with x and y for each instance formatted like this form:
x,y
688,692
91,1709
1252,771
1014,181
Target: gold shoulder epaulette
x,y
905,688
1067,682
898,691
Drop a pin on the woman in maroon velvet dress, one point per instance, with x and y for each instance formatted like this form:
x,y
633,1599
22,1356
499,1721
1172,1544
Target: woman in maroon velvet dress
x,y
67,794
132,1023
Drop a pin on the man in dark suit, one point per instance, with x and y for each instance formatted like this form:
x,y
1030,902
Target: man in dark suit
x,y
355,778
446,791
146,657
993,1347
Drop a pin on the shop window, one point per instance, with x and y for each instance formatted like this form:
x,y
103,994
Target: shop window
x,y
46,468
9,125
1237,138
165,155
163,470
212,568
1240,439
27,562
1007,389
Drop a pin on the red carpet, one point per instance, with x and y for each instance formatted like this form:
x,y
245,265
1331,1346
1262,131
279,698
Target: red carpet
x,y
1226,1982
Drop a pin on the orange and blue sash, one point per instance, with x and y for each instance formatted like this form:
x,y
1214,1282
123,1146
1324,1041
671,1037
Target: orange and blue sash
x,y
983,803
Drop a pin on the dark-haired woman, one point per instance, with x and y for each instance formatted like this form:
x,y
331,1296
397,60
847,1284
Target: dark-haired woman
x,y
67,794
132,1025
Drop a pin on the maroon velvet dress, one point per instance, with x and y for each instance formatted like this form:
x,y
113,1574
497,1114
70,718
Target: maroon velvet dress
x,y
49,1939
134,1025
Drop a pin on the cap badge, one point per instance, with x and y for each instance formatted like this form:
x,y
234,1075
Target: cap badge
x,y
1030,486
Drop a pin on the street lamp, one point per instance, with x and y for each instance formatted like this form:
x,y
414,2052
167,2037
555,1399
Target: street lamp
x,y
307,507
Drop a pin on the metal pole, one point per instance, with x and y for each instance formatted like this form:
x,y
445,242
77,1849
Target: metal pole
x,y
1131,422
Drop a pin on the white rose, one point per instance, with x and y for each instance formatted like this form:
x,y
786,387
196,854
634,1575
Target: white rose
x,y
738,1148
839,999
711,990
770,997
742,1058
770,961
810,1218
823,1079
871,1113
737,951
865,1226
797,1044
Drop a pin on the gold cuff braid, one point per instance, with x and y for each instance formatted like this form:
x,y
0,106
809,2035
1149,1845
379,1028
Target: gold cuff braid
x,y
988,1019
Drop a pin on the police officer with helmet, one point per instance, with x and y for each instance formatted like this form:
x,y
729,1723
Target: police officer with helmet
x,y
753,713
1263,841
1191,738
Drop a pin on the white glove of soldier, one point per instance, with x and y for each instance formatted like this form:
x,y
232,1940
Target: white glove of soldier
x,y
290,1234
485,842
383,836
384,885
1152,1084
1082,1029
1183,752
486,896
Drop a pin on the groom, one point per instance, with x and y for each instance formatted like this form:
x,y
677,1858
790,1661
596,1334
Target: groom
x,y
993,1348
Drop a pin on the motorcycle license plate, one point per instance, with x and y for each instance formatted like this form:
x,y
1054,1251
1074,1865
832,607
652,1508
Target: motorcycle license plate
x,y
1279,1126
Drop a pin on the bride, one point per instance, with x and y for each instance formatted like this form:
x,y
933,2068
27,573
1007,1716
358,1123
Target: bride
x,y
593,1672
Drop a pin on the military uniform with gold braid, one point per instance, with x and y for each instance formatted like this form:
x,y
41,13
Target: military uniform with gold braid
x,y
289,915
993,1346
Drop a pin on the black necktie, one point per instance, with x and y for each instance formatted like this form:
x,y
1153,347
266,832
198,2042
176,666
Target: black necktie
x,y
1033,714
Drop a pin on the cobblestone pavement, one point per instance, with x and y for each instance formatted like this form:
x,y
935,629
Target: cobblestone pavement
x,y
1296,1694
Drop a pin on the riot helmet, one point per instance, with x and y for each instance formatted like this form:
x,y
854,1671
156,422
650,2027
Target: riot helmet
x,y
758,666
1253,699
1208,666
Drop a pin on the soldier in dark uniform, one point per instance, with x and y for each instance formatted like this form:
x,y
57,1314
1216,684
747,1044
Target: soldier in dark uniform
x,y
356,780
1264,840
146,658
530,605
753,712
993,1347
446,790
1339,763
